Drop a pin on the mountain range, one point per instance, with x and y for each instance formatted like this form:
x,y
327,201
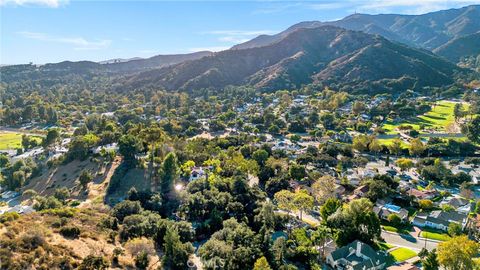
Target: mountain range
x,y
360,53
428,31
325,54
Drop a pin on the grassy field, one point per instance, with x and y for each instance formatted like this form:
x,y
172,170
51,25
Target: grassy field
x,y
435,236
440,117
10,140
387,142
402,254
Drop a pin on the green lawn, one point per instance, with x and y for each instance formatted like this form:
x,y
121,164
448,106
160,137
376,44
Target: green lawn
x,y
389,228
402,254
435,236
384,246
387,142
10,140
438,118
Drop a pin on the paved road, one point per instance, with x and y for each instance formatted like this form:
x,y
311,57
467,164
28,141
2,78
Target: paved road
x,y
409,241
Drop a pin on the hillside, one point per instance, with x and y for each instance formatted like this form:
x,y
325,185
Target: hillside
x,y
459,48
68,71
427,31
307,55
155,61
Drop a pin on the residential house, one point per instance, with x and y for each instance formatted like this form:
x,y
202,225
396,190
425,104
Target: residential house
x,y
357,256
106,148
34,153
383,211
459,204
440,219
358,193
197,173
353,177
422,194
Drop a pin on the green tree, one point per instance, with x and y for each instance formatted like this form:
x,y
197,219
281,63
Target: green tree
x,y
320,237
260,156
329,207
279,251
375,146
395,147
302,202
168,173
85,178
126,208
175,253
356,221
458,111
404,164
430,262
416,147
4,162
361,143
457,253
52,136
261,264
324,188
394,219
284,199
454,229
472,130
297,171
128,147
425,204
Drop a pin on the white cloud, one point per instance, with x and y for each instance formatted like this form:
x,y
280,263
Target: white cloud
x,y
237,36
47,3
79,43
212,49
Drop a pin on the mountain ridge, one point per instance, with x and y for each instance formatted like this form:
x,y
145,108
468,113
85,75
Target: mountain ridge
x,y
304,56
429,31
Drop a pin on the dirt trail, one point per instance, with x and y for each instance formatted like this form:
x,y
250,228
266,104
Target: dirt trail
x,y
97,189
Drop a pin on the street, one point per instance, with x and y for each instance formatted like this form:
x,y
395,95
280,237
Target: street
x,y
408,241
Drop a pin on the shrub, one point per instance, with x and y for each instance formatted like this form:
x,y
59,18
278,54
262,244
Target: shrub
x,y
32,240
126,208
394,219
70,231
425,204
92,262
9,217
142,260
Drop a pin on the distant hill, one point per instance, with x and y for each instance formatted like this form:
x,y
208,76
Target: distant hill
x,y
325,54
155,61
428,31
86,70
457,49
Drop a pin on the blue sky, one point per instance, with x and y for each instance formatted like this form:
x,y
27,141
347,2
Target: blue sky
x,y
45,31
